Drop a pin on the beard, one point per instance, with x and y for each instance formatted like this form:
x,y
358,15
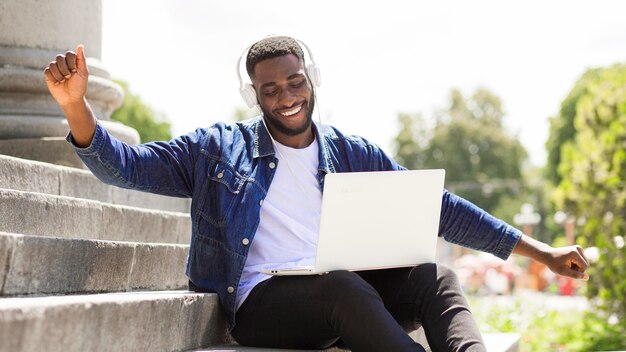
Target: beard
x,y
275,122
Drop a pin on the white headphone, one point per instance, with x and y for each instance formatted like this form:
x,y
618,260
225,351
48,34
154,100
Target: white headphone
x,y
247,90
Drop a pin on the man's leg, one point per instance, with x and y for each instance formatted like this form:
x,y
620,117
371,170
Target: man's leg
x,y
429,295
315,311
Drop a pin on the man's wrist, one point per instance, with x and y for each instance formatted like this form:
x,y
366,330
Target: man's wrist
x,y
74,105
531,248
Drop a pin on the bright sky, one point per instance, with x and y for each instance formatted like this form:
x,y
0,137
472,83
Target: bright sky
x,y
376,58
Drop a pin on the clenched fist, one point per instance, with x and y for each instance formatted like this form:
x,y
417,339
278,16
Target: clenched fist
x,y
67,77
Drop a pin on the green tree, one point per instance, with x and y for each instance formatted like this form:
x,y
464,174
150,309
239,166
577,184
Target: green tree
x,y
411,141
561,136
562,130
483,162
136,114
592,187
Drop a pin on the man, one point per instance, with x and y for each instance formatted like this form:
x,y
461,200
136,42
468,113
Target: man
x,y
256,188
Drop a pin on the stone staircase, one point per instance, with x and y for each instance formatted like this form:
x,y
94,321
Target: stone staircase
x,y
89,267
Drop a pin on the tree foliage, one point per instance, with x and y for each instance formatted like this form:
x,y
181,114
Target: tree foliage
x,y
592,174
136,114
562,126
483,162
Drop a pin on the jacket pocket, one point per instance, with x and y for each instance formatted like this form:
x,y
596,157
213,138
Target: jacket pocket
x,y
222,189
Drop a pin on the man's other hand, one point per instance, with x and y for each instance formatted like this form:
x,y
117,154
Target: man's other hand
x,y
568,261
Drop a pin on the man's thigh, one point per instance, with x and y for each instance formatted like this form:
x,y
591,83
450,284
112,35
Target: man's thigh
x,y
402,290
287,312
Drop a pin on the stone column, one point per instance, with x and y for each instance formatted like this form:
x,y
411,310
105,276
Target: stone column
x,y
32,33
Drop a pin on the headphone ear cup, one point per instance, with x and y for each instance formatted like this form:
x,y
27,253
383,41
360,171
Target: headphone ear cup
x,y
249,95
314,75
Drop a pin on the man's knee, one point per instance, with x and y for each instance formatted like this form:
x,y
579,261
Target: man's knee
x,y
447,277
437,276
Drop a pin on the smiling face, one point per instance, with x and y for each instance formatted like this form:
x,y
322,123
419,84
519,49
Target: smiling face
x,y
286,99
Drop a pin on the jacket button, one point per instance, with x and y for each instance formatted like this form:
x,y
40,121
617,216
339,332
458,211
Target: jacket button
x,y
261,202
230,289
272,165
220,175
245,241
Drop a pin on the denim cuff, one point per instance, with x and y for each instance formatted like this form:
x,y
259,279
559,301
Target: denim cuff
x,y
96,143
508,242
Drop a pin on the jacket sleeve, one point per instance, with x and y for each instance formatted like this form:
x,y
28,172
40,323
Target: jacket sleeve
x,y
465,224
158,167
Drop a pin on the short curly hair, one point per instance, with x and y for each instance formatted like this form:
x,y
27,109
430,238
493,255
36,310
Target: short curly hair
x,y
272,47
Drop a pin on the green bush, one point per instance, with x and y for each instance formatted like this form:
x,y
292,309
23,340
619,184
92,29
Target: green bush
x,y
544,328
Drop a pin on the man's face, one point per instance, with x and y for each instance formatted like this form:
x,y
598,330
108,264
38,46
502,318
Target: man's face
x,y
285,97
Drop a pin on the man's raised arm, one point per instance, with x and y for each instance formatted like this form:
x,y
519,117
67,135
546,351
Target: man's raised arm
x,y
66,78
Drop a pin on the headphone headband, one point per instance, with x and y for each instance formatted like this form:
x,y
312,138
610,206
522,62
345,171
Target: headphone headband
x,y
247,90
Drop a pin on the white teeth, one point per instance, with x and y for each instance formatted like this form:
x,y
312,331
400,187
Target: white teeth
x,y
292,111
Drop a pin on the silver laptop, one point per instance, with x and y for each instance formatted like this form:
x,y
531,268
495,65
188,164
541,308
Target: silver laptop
x,y
376,220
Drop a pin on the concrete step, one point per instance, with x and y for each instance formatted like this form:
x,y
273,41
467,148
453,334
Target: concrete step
x,y
53,150
34,176
34,265
49,215
502,342
138,321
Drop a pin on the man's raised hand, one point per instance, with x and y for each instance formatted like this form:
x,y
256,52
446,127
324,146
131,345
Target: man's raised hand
x,y
67,76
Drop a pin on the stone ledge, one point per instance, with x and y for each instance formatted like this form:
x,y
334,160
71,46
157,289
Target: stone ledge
x,y
34,176
34,265
502,342
139,321
59,216
53,150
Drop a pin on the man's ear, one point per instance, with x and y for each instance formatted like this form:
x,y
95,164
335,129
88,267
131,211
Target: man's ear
x,y
249,95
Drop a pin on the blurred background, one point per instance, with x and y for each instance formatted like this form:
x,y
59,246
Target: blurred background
x,y
524,105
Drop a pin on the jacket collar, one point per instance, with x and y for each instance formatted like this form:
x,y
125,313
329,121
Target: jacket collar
x,y
263,145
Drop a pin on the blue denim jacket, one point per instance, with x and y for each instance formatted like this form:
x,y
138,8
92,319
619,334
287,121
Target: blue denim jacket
x,y
227,171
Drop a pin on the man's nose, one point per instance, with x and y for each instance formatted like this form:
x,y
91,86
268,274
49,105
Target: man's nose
x,y
287,97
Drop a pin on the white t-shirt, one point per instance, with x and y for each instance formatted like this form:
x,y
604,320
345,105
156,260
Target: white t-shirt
x,y
289,225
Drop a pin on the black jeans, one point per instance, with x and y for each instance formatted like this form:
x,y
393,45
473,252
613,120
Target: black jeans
x,y
367,311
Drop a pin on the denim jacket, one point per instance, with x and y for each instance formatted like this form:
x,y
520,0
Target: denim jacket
x,y
227,171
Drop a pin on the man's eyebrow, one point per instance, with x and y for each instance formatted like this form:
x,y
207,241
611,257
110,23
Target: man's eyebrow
x,y
293,76
270,84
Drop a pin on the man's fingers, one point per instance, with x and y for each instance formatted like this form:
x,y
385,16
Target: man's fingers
x,y
581,251
62,66
70,59
577,262
49,77
56,74
575,274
